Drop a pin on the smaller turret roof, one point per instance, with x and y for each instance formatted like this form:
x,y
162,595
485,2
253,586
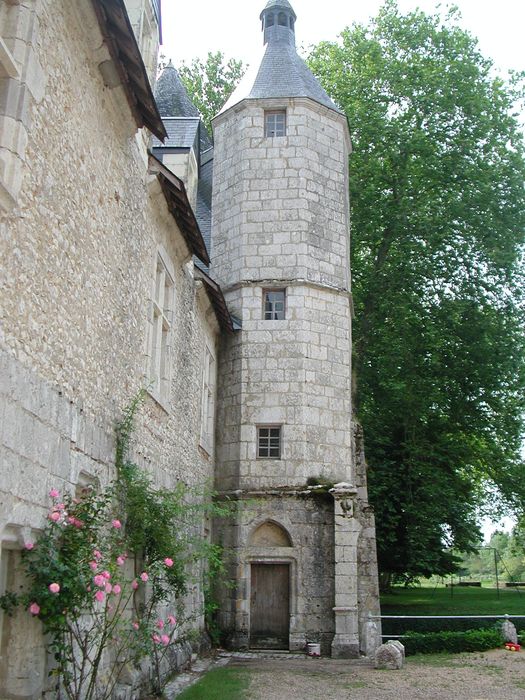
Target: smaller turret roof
x,y
278,4
172,98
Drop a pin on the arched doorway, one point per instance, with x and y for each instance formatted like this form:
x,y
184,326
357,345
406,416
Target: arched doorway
x,y
270,590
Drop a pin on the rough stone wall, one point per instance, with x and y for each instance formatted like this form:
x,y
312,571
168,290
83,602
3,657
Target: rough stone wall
x,y
280,205
368,582
293,372
308,521
79,256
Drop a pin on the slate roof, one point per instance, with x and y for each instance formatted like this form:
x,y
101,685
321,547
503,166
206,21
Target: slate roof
x,y
279,72
279,4
173,101
183,132
172,98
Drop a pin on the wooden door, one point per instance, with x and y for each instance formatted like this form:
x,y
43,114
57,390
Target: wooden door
x,y
270,606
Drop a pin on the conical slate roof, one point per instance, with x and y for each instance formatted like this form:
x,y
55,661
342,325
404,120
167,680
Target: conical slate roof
x,y
171,96
173,101
280,72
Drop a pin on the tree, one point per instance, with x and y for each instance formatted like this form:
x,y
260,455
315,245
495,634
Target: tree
x,y
438,213
210,82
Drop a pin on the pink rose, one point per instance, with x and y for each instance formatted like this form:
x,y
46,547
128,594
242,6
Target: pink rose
x,y
155,638
60,506
168,562
160,624
34,608
172,620
106,575
99,580
108,588
29,546
54,587
120,561
93,565
97,554
165,639
54,493
54,516
117,589
100,595
144,576
134,584
77,522
116,524
135,625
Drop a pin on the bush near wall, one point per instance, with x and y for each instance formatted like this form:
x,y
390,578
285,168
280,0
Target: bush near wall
x,y
453,642
451,624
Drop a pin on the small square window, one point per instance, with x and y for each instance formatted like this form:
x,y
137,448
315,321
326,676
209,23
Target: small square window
x,y
275,123
274,304
269,442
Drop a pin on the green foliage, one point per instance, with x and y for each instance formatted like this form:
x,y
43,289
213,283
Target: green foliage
x,y
438,215
452,642
453,602
218,684
210,82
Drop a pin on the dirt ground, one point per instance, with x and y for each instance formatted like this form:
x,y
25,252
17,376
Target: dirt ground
x,y
493,675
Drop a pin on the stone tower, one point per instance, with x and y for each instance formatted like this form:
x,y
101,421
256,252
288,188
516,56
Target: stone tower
x,y
304,566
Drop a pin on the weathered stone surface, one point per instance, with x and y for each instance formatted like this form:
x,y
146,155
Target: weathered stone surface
x,y
397,644
388,657
509,633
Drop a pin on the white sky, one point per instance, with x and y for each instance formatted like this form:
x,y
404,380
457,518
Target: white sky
x,y
191,29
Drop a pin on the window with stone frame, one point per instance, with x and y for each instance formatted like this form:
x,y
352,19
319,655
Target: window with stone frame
x,y
20,78
160,329
209,381
274,304
275,123
269,439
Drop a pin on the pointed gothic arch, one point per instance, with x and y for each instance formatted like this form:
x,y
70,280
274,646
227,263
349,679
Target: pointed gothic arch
x,y
270,534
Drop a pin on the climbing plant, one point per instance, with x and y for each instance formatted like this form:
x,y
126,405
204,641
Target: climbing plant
x,y
107,575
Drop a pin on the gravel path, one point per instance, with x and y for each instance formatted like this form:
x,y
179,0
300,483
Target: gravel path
x,y
493,675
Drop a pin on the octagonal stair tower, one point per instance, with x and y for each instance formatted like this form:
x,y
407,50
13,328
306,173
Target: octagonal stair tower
x,y
280,232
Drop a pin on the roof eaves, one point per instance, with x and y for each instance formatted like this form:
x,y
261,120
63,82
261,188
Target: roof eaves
x,y
217,299
180,208
119,37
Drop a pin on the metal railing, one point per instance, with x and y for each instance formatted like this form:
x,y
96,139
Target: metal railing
x,y
440,617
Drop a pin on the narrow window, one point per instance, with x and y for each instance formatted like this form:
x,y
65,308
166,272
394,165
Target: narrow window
x,y
269,20
282,19
269,442
275,123
208,401
274,304
160,331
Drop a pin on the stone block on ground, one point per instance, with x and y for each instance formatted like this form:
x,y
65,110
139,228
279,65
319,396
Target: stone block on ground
x,y
509,633
388,657
396,643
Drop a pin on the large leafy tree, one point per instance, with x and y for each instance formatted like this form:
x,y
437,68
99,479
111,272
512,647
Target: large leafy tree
x,y
210,82
438,215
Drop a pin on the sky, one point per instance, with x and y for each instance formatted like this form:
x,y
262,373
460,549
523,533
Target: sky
x,y
191,29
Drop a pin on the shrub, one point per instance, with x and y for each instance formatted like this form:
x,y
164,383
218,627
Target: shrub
x,y
453,642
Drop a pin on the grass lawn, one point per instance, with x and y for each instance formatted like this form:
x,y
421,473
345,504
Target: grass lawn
x,y
218,684
455,601
444,601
